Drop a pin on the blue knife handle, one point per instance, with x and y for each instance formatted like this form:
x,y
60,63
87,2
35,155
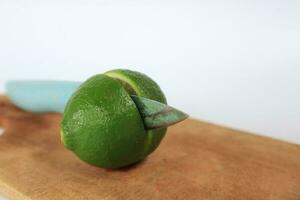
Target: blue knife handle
x,y
41,96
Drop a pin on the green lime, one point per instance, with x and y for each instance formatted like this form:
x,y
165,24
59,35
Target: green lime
x,y
101,123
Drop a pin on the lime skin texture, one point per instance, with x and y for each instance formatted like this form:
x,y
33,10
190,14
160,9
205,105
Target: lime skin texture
x,y
102,125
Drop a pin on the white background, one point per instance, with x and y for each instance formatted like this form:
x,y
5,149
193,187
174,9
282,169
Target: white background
x,y
235,63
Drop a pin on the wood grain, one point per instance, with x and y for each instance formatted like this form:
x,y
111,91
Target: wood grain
x,y
196,160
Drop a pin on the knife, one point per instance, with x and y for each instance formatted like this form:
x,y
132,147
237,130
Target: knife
x,y
52,96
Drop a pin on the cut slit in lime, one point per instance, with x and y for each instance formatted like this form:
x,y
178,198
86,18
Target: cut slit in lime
x,y
144,86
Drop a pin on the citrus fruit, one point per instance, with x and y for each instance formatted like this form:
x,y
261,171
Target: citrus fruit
x,y
101,123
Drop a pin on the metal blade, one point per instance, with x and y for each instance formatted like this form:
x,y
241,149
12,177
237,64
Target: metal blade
x,y
156,114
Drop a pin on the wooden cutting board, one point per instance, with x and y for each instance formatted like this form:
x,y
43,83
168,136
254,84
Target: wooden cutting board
x,y
196,160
